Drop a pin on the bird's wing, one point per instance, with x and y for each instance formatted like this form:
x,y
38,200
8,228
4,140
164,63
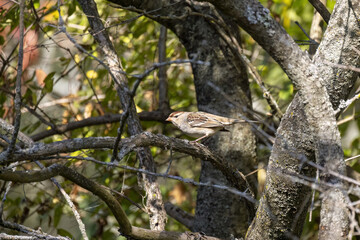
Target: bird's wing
x,y
201,120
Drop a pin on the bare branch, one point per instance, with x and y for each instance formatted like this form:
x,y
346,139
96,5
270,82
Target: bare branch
x,y
38,234
344,104
145,139
11,148
56,169
319,6
244,194
8,130
163,82
180,215
29,143
125,228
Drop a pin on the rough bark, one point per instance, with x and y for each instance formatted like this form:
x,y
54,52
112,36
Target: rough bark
x,y
130,232
316,30
334,220
154,203
127,145
218,213
164,104
284,199
309,115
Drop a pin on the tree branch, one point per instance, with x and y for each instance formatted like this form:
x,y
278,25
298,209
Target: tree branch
x,y
8,153
307,77
163,82
125,228
145,139
320,8
154,200
180,215
57,169
29,143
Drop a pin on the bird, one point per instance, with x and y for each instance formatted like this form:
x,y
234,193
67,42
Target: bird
x,y
200,124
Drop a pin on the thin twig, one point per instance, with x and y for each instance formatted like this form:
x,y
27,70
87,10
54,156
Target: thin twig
x,y
313,196
170,160
29,143
245,195
8,187
352,158
11,148
344,104
38,234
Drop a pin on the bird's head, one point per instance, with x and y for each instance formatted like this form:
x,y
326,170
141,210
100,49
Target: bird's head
x,y
174,115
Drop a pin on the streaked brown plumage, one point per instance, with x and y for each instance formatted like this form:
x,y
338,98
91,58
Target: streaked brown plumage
x,y
200,124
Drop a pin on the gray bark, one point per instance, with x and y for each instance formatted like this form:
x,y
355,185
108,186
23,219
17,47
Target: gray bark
x,y
218,212
154,203
308,128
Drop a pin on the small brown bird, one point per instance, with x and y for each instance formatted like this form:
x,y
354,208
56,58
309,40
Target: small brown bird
x,y
200,124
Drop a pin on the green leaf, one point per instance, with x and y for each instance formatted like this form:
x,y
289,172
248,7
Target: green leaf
x,y
49,82
57,215
36,4
64,233
72,8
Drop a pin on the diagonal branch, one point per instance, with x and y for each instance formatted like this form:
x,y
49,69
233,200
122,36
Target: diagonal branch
x,y
57,169
320,7
28,142
8,153
125,227
313,99
154,200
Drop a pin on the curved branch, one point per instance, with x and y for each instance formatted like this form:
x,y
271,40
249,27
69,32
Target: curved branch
x,y
34,234
154,200
125,227
180,215
127,145
57,169
321,9
28,142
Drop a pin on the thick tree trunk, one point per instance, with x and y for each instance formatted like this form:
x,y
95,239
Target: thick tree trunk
x,y
218,213
282,209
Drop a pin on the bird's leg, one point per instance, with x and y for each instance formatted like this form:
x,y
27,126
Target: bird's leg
x,y
197,140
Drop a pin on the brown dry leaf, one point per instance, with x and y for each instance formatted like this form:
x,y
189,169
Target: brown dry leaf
x,y
179,193
65,116
40,77
76,190
261,176
88,110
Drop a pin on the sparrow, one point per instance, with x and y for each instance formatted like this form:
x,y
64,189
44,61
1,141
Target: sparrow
x,y
200,124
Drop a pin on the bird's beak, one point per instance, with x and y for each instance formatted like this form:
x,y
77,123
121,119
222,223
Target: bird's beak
x,y
168,119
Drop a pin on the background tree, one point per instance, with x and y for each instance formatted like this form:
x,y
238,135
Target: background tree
x,y
116,72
